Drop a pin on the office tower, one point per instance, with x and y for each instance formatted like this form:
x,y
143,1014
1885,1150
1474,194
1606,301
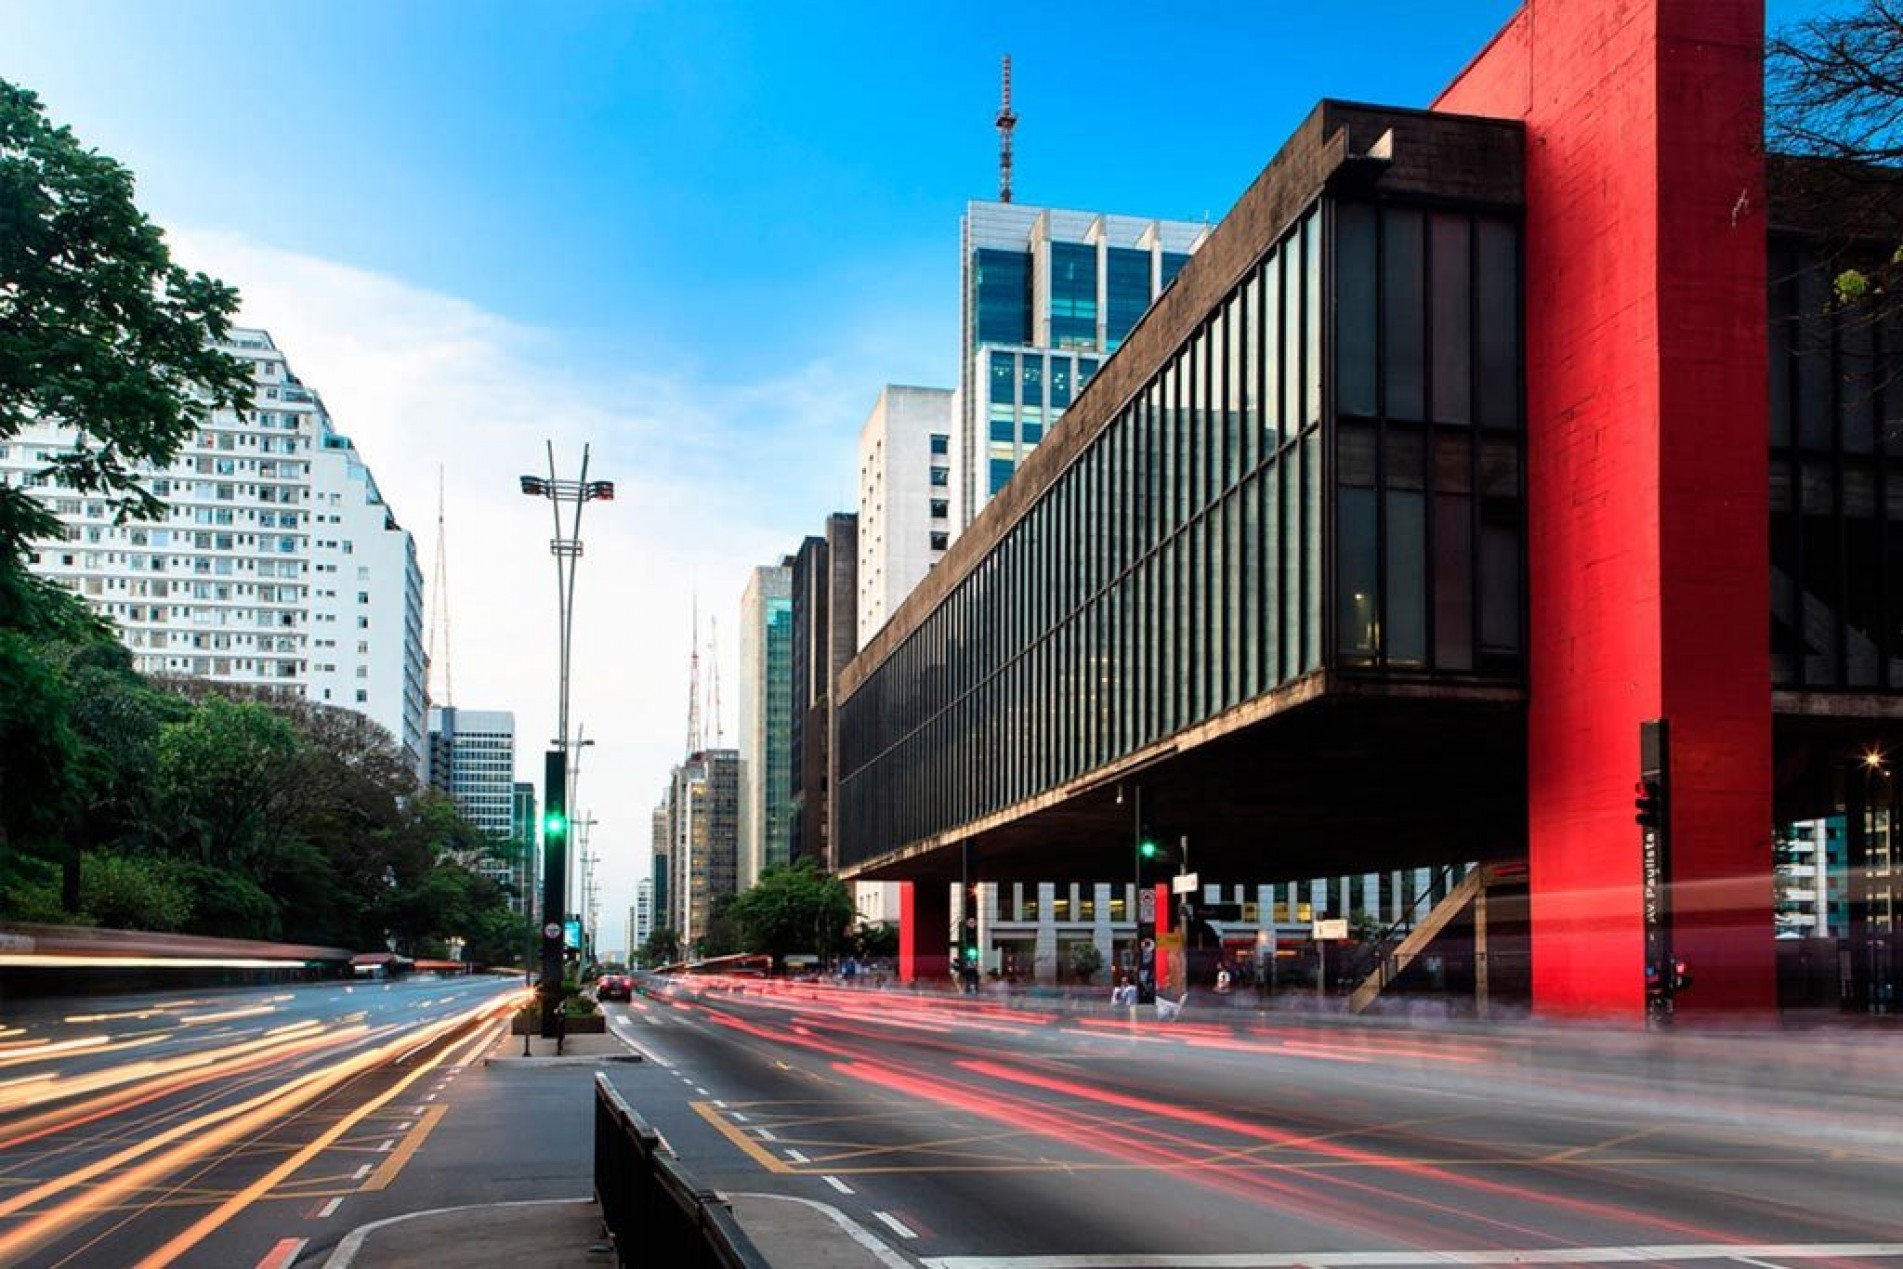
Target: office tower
x,y
766,724
701,816
824,627
907,514
472,759
1047,295
276,566
641,915
527,838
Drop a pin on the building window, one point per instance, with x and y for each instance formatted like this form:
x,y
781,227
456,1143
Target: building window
x,y
941,509
941,443
940,541
941,477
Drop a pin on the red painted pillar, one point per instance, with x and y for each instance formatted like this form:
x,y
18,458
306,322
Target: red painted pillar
x,y
1647,482
1164,923
924,932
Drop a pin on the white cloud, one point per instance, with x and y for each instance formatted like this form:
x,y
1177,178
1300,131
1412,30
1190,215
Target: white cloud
x,y
713,477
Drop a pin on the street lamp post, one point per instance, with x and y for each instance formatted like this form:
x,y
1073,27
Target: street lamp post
x,y
566,547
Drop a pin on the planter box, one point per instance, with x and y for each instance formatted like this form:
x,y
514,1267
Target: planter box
x,y
531,1024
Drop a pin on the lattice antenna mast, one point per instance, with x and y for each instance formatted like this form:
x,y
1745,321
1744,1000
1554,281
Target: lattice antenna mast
x,y
1006,122
439,597
693,685
713,677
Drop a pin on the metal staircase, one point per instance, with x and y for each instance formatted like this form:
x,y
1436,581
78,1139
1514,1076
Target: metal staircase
x,y
1392,955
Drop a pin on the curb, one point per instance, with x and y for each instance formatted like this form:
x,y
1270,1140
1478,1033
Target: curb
x,y
347,1251
881,1250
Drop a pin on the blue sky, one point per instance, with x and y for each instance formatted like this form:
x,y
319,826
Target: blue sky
x,y
698,236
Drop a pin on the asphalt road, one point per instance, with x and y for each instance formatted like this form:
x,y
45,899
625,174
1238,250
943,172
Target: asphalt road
x,y
972,1134
182,1128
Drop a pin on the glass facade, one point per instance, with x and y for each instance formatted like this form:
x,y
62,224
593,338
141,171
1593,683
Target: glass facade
x,y
1836,481
1073,295
1179,567
1002,280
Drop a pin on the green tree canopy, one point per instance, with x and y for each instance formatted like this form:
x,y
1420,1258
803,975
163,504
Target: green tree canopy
x,y
794,908
99,328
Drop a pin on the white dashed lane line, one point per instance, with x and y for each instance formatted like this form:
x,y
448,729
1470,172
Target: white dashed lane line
x,y
896,1225
838,1184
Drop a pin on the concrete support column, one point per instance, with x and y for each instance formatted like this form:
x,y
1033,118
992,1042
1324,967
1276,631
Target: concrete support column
x,y
1044,957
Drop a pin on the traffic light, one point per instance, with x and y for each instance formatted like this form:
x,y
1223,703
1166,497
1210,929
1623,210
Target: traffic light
x,y
1147,848
555,824
1649,805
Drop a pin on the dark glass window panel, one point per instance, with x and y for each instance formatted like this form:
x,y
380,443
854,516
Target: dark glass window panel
x,y
1003,379
1003,426
1499,467
1001,469
940,508
1406,457
1859,384
1497,321
1173,263
1312,320
1354,455
1269,341
1354,308
1252,372
1291,257
1404,338
1813,359
941,443
1863,576
1406,633
1003,283
1127,292
1073,295
1310,546
1453,462
1450,266
1890,399
1453,582
1358,588
1893,586
1060,382
1033,383
1269,491
1500,577
1032,432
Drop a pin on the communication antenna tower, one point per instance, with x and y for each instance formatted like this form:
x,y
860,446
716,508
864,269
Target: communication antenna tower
x,y
693,685
439,597
1006,122
713,677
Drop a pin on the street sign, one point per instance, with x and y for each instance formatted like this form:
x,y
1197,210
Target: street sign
x,y
553,930
1146,905
1336,929
1185,883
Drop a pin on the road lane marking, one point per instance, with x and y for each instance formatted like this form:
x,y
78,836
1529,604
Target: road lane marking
x,y
747,1145
796,1156
387,1170
283,1254
736,1116
838,1184
1637,1254
701,1091
766,1134
896,1225
360,1173
330,1207
387,1146
880,1251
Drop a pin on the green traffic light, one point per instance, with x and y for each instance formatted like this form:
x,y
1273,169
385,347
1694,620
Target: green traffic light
x,y
1147,849
555,824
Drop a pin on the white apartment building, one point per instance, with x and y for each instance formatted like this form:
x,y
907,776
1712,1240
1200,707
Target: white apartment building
x,y
641,916
908,498
766,720
272,530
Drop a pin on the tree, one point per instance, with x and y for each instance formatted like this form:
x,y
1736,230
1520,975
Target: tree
x,y
1834,99
794,908
1085,961
663,947
99,329
222,774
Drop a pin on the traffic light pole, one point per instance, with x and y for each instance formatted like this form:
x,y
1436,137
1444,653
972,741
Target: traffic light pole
x,y
1146,907
1654,815
566,548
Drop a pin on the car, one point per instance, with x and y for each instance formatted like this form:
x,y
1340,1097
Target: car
x,y
614,987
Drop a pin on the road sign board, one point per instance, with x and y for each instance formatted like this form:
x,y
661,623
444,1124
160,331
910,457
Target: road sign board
x,y
1185,883
553,930
1336,929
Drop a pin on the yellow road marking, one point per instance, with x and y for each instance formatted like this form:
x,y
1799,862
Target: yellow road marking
x,y
732,1132
381,1178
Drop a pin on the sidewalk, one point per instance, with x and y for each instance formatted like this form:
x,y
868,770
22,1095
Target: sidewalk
x,y
791,1233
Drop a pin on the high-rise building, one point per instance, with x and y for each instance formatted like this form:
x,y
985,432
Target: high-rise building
x,y
907,511
1047,295
472,759
276,566
526,835
703,839
766,713
641,915
659,858
825,624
